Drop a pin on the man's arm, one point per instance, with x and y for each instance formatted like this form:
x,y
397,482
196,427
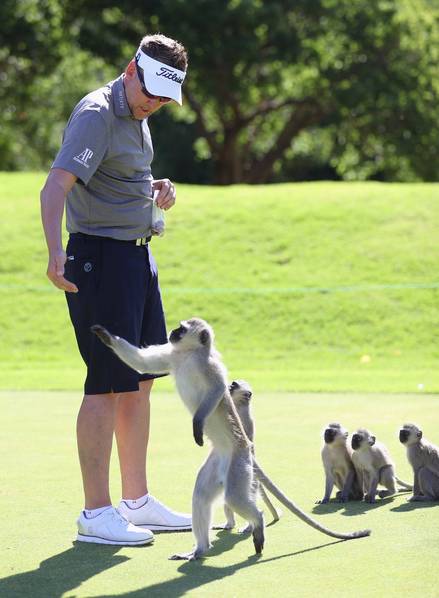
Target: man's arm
x,y
53,198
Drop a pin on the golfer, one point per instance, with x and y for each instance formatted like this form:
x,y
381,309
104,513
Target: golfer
x,y
102,174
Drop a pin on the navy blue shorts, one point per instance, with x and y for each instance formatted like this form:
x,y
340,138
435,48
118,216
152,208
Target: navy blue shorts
x,y
119,289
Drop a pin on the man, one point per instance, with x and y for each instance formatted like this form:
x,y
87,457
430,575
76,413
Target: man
x,y
103,175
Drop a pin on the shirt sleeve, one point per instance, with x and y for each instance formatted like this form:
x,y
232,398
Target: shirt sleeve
x,y
85,142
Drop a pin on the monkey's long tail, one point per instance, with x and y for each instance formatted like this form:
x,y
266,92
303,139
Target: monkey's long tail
x,y
274,512
404,484
261,476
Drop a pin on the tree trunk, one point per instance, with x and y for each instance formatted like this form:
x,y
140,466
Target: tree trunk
x,y
228,165
301,118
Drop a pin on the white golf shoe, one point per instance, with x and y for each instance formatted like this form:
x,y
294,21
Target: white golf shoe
x,y
110,527
155,516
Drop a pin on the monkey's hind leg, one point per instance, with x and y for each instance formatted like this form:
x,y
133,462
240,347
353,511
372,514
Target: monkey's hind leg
x,y
240,495
230,519
207,488
429,484
387,479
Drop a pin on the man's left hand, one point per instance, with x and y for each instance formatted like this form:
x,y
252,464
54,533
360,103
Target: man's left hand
x,y
166,196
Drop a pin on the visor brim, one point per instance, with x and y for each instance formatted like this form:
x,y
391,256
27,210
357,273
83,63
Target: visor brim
x,y
158,87
160,79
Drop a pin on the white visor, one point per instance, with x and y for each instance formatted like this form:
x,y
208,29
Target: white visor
x,y
160,79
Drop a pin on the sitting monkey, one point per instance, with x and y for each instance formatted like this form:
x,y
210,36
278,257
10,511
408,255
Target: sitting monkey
x,y
338,466
374,466
423,456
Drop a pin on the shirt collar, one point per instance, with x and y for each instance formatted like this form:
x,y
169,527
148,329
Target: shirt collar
x,y
121,107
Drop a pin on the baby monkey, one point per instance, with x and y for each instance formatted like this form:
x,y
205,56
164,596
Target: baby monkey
x,y
241,394
338,466
374,466
423,456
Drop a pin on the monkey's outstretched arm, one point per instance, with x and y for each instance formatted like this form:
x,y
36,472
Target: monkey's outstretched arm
x,y
207,406
261,476
150,360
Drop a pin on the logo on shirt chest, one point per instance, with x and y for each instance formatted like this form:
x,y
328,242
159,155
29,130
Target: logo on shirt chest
x,y
84,157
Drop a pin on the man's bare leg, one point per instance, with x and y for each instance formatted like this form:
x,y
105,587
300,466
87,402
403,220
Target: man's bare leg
x,y
95,427
132,435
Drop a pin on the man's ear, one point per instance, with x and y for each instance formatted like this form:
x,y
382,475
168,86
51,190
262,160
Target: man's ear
x,y
419,434
130,70
372,440
204,337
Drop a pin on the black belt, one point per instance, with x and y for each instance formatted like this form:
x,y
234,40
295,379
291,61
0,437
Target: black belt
x,y
138,242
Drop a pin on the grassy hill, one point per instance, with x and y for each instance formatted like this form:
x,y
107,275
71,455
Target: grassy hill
x,y
322,286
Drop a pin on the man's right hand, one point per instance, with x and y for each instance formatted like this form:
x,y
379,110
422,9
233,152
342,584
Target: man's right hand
x,y
55,272
53,196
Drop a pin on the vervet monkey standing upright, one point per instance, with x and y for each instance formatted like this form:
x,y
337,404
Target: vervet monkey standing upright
x,y
201,380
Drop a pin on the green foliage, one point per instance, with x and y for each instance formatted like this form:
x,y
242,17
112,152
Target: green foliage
x,y
43,75
299,281
275,90
262,74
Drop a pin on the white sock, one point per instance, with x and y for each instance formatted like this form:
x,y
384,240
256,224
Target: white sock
x,y
136,503
91,513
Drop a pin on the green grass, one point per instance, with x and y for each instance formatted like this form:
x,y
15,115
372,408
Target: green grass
x,y
40,497
300,281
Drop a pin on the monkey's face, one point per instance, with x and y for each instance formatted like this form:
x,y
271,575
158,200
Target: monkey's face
x,y
335,434
410,434
362,439
240,391
191,334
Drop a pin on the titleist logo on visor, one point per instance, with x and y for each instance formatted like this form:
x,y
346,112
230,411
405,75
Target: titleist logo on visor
x,y
169,74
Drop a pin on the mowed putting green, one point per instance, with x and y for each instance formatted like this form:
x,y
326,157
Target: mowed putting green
x,y
40,497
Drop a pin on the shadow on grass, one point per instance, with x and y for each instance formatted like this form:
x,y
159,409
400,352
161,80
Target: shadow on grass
x,y
411,506
68,570
348,509
62,572
199,573
357,507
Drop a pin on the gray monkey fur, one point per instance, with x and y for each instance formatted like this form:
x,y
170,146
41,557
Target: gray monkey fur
x,y
241,394
374,466
423,456
201,381
338,466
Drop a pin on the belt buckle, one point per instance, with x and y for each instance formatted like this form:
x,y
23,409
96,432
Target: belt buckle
x,y
140,242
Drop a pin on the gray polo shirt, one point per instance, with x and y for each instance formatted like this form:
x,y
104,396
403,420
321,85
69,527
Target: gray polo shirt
x,y
111,154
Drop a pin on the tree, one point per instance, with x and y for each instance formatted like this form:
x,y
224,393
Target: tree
x,y
42,74
263,74
31,36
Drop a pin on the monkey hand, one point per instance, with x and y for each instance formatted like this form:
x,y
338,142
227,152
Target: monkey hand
x,y
197,426
103,334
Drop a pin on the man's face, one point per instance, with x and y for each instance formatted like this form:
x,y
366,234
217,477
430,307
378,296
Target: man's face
x,y
141,105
